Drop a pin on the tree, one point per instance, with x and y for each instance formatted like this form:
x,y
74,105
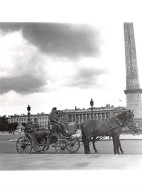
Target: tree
x,y
24,124
3,124
12,126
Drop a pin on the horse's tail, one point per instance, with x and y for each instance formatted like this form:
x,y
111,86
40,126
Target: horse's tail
x,y
83,134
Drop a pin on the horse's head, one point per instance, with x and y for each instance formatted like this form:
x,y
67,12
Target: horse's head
x,y
126,118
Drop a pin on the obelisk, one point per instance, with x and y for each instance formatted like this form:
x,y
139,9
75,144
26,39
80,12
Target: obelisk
x,y
133,91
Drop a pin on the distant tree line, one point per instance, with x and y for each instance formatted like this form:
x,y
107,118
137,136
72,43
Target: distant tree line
x,y
5,126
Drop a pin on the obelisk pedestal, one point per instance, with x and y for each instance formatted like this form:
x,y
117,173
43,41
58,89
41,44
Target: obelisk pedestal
x,y
133,91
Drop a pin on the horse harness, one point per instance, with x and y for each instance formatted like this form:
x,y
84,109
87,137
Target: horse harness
x,y
120,124
111,128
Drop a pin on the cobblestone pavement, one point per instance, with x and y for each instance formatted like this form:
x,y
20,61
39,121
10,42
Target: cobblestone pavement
x,y
49,160
70,162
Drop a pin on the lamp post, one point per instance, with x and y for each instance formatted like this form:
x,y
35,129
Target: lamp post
x,y
91,104
28,109
66,118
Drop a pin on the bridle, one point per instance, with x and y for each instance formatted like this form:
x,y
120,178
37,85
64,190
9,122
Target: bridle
x,y
125,122
121,122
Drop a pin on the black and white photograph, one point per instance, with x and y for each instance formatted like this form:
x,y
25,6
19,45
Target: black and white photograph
x,y
70,95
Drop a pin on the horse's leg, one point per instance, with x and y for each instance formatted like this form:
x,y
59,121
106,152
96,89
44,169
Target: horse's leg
x,y
84,140
87,150
88,147
85,147
121,150
115,144
118,144
93,142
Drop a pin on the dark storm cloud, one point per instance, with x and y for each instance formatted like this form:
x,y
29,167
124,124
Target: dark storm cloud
x,y
27,75
23,84
70,41
85,78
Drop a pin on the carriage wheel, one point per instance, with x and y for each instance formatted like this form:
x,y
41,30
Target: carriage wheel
x,y
23,145
73,146
46,147
60,146
39,148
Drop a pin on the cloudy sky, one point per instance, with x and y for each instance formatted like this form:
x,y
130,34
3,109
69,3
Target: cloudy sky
x,y
73,54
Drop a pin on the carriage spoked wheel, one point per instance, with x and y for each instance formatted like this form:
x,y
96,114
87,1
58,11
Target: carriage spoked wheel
x,y
40,148
44,148
73,145
60,147
37,148
24,145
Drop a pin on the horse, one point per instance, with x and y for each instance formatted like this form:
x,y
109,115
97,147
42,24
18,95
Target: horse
x,y
110,127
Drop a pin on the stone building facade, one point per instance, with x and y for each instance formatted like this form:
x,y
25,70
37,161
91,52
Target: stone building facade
x,y
42,118
70,115
80,115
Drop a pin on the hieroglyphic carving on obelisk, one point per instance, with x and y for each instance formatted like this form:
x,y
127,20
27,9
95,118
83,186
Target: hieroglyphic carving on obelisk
x,y
133,91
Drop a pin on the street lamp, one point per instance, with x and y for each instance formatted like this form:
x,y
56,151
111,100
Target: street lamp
x,y
66,118
28,109
91,104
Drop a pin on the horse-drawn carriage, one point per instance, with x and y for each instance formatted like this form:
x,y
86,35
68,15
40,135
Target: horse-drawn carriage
x,y
31,141
89,129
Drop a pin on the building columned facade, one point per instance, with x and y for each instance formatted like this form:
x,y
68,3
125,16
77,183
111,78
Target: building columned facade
x,y
71,115
80,115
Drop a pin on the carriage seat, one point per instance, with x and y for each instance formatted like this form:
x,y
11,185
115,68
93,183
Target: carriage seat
x,y
52,128
72,128
36,130
28,129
